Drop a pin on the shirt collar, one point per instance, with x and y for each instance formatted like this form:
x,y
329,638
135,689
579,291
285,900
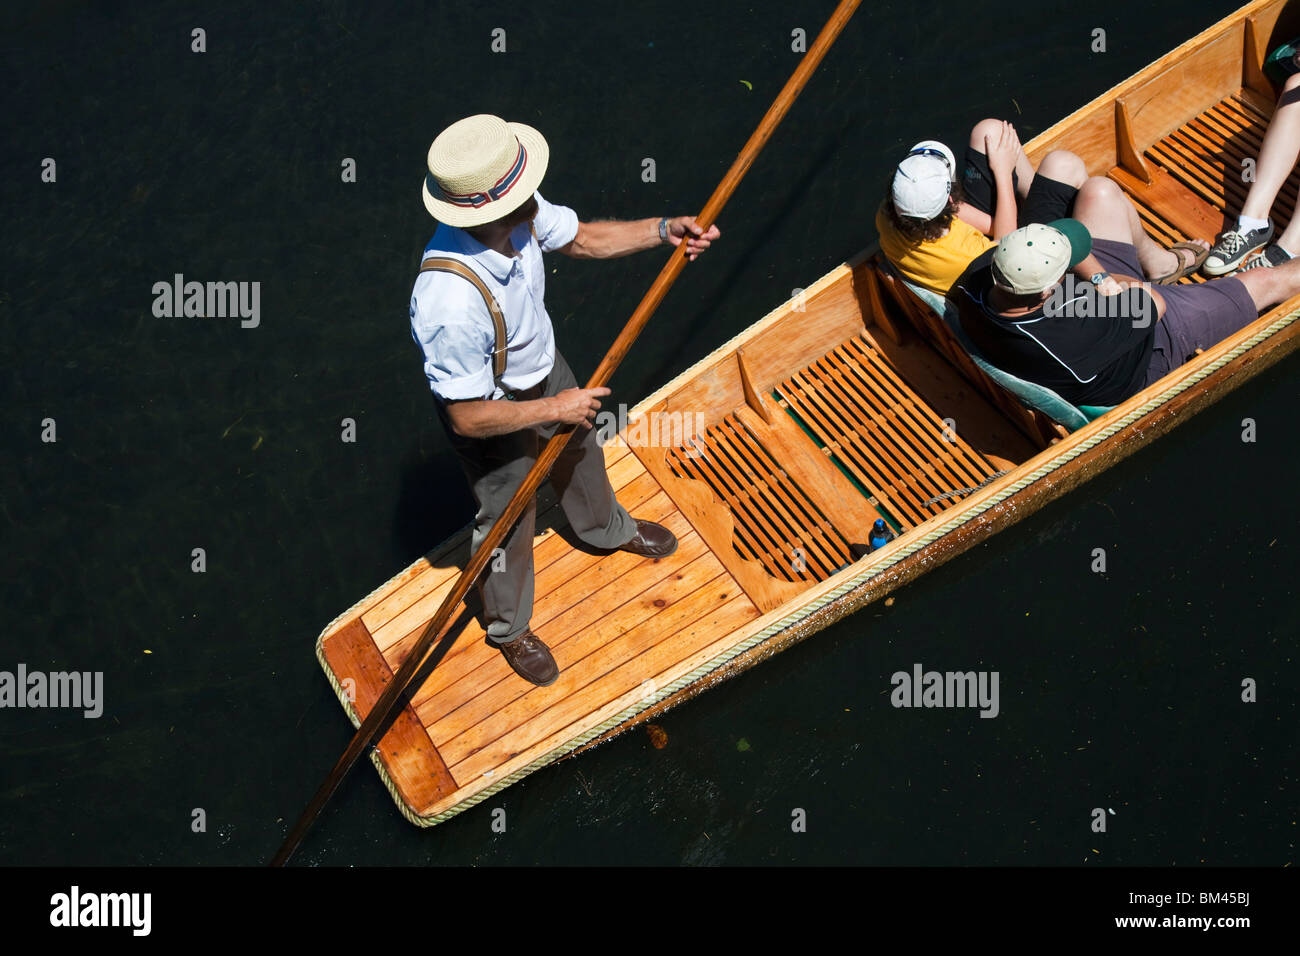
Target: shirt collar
x,y
982,297
500,266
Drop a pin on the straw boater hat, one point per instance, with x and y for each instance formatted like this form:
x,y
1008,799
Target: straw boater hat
x,y
482,168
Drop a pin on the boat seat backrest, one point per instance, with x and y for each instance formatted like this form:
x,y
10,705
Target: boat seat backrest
x,y
1033,395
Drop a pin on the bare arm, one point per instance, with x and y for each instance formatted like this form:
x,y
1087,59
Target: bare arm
x,y
488,417
975,218
610,239
1122,282
1115,284
1004,217
1089,267
1002,154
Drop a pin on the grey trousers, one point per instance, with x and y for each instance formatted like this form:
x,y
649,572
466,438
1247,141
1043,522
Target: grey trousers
x,y
496,467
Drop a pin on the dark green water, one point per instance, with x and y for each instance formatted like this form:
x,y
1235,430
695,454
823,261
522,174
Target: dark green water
x,y
1118,690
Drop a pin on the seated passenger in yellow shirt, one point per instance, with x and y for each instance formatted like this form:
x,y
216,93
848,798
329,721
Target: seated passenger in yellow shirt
x,y
932,226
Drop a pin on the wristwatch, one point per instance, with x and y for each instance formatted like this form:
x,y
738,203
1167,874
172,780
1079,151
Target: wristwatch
x,y
663,230
1099,278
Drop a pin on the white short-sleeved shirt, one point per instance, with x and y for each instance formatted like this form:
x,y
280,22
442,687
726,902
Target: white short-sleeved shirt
x,y
452,325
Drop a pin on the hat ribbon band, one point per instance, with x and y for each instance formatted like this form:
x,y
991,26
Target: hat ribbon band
x,y
496,191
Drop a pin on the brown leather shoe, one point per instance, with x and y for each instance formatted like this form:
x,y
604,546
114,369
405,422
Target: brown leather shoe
x,y
651,541
531,659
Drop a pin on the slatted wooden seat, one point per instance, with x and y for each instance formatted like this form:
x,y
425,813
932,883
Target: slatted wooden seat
x,y
1208,156
776,521
882,433
1198,173
794,510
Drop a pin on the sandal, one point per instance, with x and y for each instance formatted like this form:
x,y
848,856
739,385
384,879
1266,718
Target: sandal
x,y
1198,259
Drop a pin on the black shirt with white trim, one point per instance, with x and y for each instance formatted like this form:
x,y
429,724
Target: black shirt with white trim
x,y
1089,348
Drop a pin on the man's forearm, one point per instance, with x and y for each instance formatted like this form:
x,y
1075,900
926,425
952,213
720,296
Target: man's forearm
x,y
1088,267
610,239
488,418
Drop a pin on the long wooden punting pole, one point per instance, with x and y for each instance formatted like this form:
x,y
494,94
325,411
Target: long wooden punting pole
x,y
392,696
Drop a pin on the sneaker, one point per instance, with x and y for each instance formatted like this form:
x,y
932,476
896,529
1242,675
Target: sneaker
x,y
1232,248
1273,255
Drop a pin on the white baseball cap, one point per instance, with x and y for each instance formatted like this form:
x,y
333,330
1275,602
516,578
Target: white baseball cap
x,y
924,180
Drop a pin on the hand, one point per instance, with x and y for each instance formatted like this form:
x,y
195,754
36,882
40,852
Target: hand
x,y
577,406
681,226
1110,286
1003,150
1126,282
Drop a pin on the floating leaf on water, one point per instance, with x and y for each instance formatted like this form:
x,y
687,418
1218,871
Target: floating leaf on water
x,y
742,744
658,738
748,85
889,602
147,651
257,444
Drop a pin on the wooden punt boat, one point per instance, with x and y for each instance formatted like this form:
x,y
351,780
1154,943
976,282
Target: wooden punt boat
x,y
833,410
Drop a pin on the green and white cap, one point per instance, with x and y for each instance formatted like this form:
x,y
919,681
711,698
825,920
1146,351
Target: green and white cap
x,y
1033,258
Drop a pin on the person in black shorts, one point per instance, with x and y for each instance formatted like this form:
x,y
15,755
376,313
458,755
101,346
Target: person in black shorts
x,y
993,153
930,227
1041,196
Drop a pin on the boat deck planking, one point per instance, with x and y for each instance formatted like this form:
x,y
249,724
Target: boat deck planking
x,y
613,621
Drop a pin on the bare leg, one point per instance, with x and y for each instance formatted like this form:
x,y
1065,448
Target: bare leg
x,y
1064,167
1278,154
1268,287
1290,240
1024,171
1106,211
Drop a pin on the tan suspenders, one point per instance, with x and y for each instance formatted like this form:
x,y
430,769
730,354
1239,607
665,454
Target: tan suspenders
x,y
456,267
